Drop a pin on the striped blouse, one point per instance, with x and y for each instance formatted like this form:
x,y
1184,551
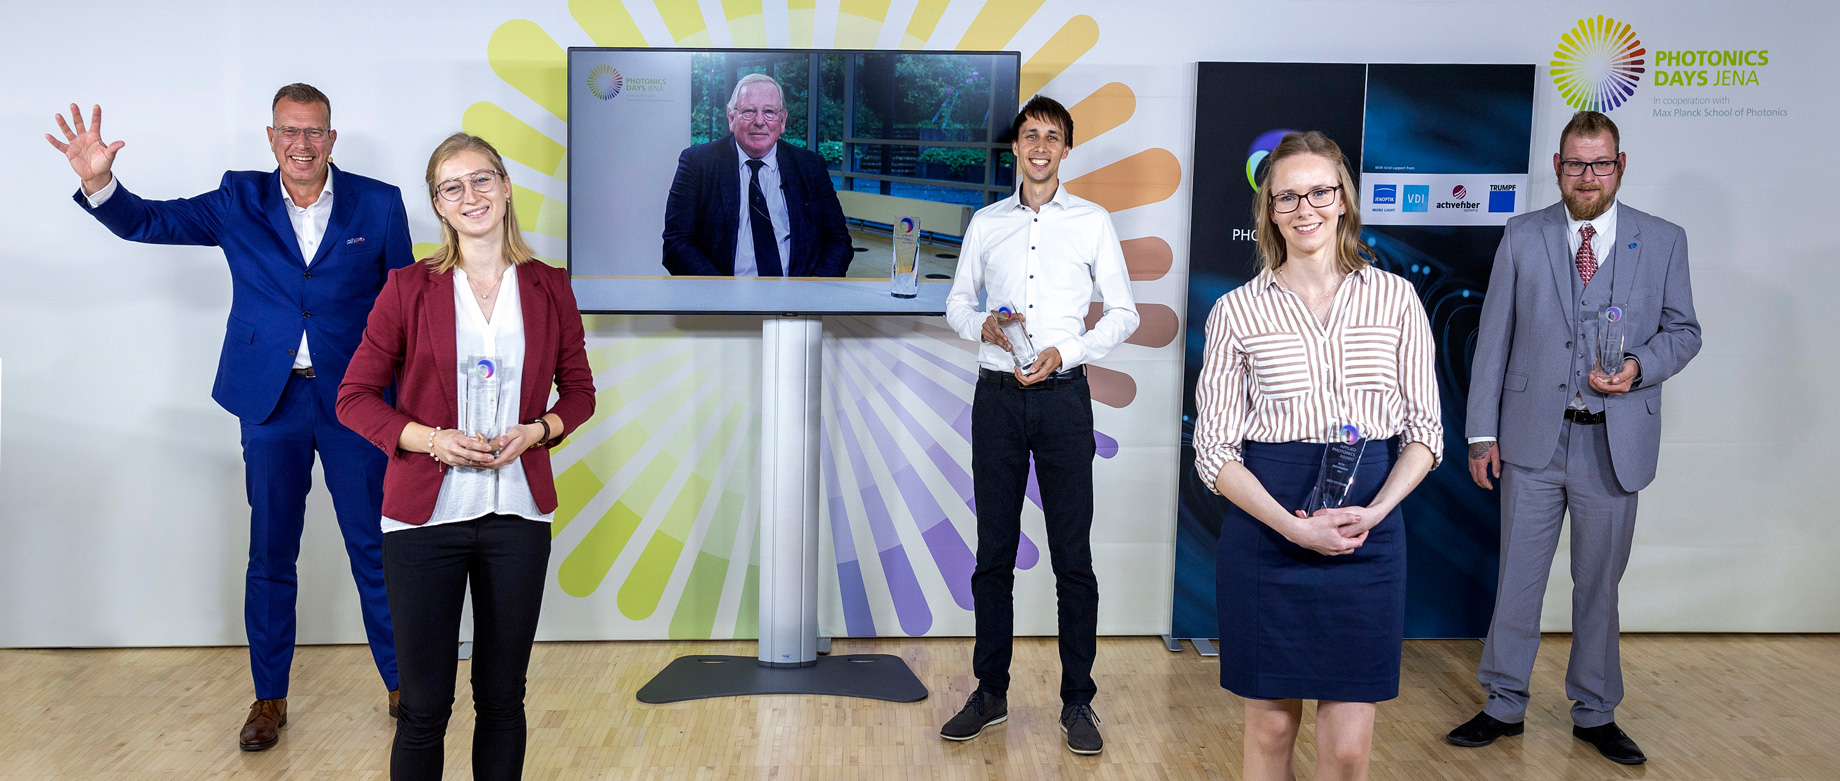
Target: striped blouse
x,y
1272,373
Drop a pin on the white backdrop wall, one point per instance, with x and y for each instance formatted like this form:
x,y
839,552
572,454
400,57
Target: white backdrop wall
x,y
122,516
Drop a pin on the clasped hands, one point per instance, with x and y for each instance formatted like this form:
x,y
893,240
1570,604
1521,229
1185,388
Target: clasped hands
x,y
455,448
1048,362
1333,532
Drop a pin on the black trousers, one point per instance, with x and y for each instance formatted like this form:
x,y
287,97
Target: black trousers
x,y
426,572
1053,424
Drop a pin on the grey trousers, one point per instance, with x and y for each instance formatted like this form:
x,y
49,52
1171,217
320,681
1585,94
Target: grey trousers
x,y
1534,503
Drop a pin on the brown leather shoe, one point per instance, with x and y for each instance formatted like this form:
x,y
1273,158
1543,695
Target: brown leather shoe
x,y
262,730
395,699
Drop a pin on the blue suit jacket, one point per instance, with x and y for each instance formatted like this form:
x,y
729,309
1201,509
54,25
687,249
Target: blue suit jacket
x,y
703,213
274,292
1520,380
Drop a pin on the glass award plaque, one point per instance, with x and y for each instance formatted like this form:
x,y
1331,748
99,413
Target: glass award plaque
x,y
1610,340
905,274
1021,350
479,399
1336,475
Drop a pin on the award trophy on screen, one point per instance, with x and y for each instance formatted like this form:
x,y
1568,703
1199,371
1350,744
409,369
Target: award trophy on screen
x,y
1336,476
1021,350
905,273
479,402
1610,341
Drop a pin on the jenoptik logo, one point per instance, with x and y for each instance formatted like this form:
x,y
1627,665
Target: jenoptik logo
x,y
1386,194
1598,64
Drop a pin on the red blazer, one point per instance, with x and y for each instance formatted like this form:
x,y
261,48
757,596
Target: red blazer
x,y
409,343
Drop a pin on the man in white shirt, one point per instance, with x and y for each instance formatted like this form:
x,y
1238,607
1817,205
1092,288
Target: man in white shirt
x,y
1042,253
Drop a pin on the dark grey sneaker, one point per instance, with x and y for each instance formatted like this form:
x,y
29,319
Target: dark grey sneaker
x,y
1082,727
980,711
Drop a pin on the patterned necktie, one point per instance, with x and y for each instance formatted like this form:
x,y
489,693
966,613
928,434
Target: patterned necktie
x,y
760,223
1587,258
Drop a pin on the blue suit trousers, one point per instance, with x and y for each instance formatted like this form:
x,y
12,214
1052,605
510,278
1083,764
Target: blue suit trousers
x,y
278,458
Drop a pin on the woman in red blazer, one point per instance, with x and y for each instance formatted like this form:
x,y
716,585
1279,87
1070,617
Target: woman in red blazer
x,y
472,338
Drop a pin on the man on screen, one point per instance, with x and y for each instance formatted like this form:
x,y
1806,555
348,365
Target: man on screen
x,y
1043,253
745,205
1567,433
308,247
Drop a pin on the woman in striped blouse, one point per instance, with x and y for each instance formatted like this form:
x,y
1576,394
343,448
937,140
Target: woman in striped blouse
x,y
1313,607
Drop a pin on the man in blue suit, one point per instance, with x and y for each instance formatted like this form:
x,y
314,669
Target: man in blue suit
x,y
308,247
746,205
1567,434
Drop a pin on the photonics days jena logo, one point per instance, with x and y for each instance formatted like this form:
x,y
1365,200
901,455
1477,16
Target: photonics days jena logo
x,y
1598,64
605,81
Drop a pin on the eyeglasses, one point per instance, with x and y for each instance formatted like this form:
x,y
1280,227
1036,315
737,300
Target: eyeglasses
x,y
1321,197
292,134
1598,167
483,181
768,114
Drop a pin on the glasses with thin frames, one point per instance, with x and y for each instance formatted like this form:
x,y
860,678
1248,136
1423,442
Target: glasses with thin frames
x,y
767,114
292,134
483,181
1321,197
1598,167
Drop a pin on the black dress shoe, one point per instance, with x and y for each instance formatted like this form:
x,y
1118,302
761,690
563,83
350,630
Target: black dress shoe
x,y
981,710
1612,743
1483,730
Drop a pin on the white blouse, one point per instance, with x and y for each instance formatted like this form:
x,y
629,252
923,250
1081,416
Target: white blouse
x,y
470,492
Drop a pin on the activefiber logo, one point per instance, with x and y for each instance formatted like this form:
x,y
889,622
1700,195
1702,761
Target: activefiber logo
x,y
1598,64
605,81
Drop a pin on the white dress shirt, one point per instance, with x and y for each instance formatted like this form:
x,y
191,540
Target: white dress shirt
x,y
1602,241
745,263
309,227
1046,266
470,492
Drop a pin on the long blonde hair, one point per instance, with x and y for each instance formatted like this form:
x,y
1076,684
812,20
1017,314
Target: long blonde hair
x,y
444,259
1350,253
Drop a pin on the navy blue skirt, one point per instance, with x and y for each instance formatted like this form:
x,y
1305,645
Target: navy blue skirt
x,y
1295,624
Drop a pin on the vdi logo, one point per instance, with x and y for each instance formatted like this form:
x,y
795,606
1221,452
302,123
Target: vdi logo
x,y
1418,197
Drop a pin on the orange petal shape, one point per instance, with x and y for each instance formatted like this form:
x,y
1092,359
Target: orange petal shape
x,y
1156,324
1141,179
1111,388
1148,258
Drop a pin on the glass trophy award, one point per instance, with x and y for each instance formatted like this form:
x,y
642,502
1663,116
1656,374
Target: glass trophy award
x,y
905,274
1610,341
479,402
1336,476
1021,350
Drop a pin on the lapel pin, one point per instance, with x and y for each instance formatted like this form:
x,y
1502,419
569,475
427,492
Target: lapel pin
x,y
1632,245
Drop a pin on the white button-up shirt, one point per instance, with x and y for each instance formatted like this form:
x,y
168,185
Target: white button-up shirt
x,y
1046,266
309,228
471,492
745,263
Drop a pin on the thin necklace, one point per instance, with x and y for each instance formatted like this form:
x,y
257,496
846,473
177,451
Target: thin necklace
x,y
494,289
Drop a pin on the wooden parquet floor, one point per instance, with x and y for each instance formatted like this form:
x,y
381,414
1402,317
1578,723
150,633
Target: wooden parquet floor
x,y
1714,707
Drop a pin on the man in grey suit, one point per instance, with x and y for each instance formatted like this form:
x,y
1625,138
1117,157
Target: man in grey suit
x,y
1566,435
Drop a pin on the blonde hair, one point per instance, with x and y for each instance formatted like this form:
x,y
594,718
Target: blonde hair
x,y
1351,255
444,259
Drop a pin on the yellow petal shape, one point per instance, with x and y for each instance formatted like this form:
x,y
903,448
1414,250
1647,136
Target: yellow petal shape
x,y
1143,178
531,62
1108,107
920,26
683,18
747,22
996,23
514,138
1073,40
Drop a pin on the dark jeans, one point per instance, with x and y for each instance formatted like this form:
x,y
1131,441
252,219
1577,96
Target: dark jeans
x,y
426,573
1054,424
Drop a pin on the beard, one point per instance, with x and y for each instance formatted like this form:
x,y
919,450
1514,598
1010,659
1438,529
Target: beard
x,y
1581,209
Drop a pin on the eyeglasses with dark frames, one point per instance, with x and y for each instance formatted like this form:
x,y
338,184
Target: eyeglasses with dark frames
x,y
1598,167
1321,198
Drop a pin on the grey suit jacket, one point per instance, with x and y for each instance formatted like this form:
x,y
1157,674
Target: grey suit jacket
x,y
1520,380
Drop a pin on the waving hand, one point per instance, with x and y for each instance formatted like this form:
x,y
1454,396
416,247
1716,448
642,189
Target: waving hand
x,y
89,157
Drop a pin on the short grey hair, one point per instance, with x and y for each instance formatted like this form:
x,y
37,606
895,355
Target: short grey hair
x,y
755,78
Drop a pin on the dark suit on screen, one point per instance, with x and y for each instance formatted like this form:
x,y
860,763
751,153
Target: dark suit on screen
x,y
285,417
1534,353
702,215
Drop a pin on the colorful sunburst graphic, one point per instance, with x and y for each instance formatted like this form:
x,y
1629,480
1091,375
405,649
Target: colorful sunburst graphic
x,y
605,81
657,489
1598,64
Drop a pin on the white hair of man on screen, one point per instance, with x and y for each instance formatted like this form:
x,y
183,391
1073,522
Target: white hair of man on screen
x,y
753,78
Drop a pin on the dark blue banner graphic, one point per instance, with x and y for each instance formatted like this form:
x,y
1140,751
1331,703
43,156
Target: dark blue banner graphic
x,y
1441,154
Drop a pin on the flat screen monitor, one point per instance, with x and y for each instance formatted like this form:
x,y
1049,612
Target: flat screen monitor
x,y
669,161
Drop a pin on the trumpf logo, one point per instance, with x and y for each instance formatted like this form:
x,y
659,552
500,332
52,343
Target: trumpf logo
x,y
605,81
